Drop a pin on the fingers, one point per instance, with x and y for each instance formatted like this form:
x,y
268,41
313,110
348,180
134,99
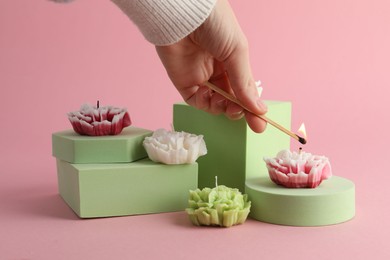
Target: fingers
x,y
217,104
220,79
214,103
257,124
234,111
203,97
244,87
241,80
208,101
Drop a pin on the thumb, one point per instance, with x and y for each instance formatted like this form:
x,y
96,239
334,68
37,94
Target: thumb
x,y
243,85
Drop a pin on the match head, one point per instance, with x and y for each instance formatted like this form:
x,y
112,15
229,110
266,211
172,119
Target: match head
x,y
302,140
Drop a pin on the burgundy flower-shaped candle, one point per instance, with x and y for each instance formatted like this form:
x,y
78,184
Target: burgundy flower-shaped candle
x,y
298,169
97,121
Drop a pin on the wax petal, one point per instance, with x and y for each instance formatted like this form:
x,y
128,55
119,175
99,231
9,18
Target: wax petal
x,y
99,121
298,170
102,128
86,128
214,217
203,216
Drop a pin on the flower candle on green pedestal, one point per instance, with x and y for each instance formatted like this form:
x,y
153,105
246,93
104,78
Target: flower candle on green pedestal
x,y
99,121
301,191
100,135
125,147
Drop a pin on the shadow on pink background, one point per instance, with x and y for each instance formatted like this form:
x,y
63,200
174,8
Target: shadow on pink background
x,y
331,59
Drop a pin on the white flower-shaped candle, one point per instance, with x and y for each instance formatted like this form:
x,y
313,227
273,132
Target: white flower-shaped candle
x,y
298,169
174,147
97,121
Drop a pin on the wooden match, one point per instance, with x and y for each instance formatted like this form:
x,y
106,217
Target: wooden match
x,y
268,120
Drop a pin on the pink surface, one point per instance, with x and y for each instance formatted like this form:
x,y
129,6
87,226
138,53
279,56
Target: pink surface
x,y
330,58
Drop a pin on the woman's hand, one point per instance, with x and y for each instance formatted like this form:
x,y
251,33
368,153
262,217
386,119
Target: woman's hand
x,y
217,51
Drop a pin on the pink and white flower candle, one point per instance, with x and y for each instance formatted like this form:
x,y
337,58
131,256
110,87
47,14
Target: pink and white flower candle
x,y
298,169
97,121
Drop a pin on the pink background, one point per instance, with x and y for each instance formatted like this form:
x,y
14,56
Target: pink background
x,y
330,58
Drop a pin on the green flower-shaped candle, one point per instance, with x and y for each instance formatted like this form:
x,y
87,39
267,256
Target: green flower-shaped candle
x,y
220,206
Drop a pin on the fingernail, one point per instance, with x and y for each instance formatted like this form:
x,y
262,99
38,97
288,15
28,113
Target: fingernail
x,y
237,115
262,105
238,112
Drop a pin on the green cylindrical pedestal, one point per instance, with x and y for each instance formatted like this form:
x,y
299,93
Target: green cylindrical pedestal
x,y
330,203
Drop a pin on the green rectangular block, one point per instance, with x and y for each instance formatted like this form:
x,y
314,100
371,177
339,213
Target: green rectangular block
x,y
141,187
234,152
125,147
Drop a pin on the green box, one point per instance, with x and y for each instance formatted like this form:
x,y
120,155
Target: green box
x,y
125,147
234,152
141,187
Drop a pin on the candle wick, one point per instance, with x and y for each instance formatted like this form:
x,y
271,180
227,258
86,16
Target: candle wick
x,y
216,184
97,104
300,150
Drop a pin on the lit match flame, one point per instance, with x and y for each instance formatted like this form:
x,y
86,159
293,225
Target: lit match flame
x,y
302,130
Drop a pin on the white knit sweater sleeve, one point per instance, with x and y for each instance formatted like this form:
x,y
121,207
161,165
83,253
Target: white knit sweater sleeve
x,y
164,22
